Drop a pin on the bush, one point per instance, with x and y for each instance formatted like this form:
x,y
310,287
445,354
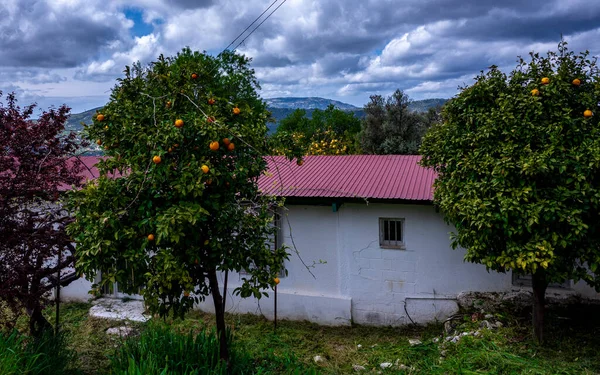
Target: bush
x,y
44,356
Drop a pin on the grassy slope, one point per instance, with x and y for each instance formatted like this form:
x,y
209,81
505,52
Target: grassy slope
x,y
573,344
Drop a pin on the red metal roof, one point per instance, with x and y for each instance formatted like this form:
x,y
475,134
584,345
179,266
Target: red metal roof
x,y
350,176
89,171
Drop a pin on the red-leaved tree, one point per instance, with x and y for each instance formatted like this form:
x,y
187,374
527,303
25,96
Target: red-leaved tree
x,y
35,166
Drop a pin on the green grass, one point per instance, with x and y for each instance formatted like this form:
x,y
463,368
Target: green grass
x,y
47,355
159,349
573,345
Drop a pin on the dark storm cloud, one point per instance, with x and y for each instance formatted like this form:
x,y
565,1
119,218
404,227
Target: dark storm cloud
x,y
498,25
36,35
308,47
36,76
333,64
362,27
266,59
192,4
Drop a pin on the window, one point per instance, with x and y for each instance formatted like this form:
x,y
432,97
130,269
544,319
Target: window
x,y
519,279
391,233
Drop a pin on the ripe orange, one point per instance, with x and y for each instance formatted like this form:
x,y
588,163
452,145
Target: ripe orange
x,y
236,111
214,146
231,146
545,81
168,104
150,237
226,141
276,280
99,142
186,294
211,101
100,117
178,123
205,168
535,92
194,75
587,113
576,82
156,159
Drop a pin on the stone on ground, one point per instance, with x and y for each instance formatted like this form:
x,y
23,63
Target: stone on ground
x,y
120,331
107,308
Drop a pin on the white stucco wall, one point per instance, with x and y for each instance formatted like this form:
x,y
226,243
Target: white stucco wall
x,y
76,291
357,280
422,279
313,288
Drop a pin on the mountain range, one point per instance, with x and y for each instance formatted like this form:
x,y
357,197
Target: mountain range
x,y
280,108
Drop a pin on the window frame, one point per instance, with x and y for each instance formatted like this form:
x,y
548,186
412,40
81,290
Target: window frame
x,y
391,244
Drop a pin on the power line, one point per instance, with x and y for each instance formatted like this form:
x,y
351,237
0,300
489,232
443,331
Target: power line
x,y
249,26
253,30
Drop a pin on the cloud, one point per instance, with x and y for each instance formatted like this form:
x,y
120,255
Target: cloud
x,y
144,49
29,75
345,49
57,34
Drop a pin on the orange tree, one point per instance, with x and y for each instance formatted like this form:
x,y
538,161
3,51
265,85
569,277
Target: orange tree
x,y
518,163
322,142
327,132
177,199
326,142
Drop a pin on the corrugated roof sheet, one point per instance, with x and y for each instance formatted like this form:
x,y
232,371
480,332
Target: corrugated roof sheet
x,y
350,176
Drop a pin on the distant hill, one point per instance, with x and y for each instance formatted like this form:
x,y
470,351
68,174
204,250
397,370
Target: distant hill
x,y
425,104
280,108
306,103
75,120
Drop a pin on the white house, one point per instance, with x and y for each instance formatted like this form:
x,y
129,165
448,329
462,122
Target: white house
x,y
367,246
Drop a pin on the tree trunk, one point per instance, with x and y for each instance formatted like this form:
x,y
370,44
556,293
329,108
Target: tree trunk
x,y
539,293
219,314
37,322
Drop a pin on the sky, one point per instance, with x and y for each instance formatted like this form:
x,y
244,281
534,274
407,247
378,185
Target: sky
x,y
72,51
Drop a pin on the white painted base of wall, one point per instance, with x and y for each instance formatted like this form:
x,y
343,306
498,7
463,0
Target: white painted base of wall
x,y
320,309
77,291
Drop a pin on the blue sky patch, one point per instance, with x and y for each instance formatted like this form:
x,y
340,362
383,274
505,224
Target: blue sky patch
x,y
140,28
